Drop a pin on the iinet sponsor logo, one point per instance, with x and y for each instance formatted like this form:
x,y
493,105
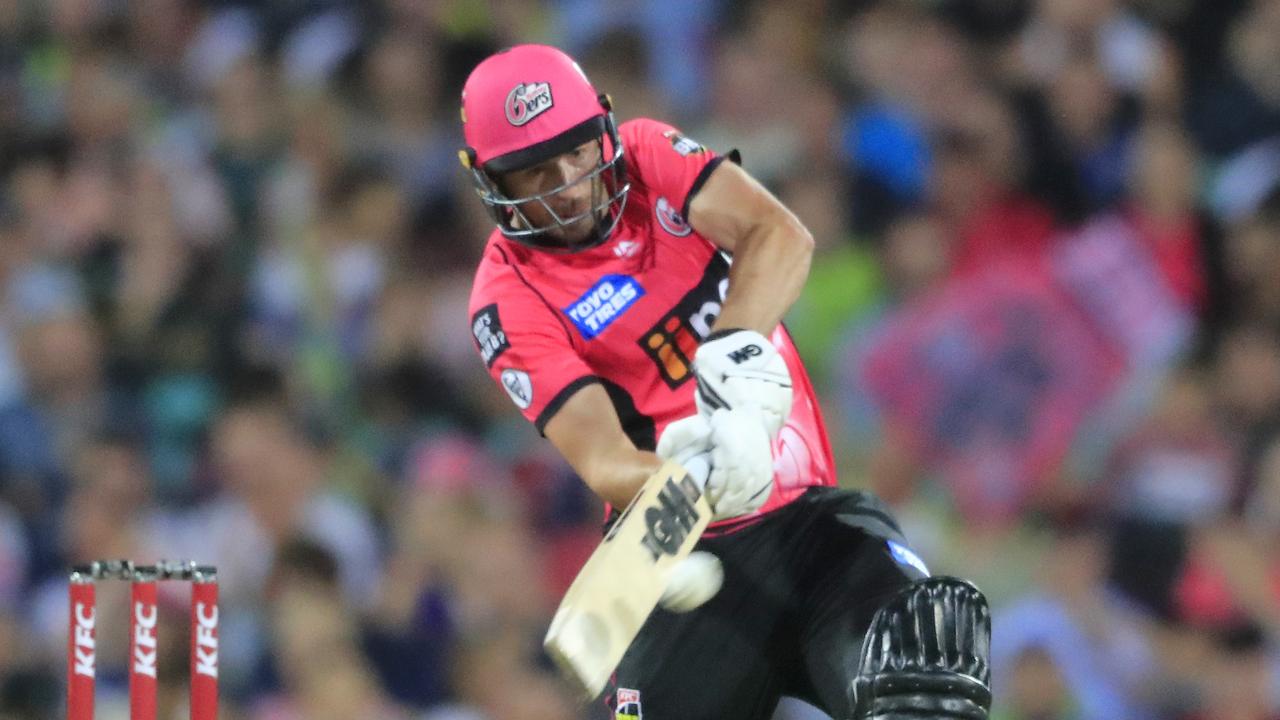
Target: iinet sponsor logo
x,y
84,643
207,640
144,639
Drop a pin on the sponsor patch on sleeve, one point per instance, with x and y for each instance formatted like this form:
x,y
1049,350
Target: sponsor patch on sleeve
x,y
684,145
518,386
491,341
670,219
605,302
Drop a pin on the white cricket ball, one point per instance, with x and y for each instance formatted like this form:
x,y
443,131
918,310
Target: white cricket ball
x,y
693,581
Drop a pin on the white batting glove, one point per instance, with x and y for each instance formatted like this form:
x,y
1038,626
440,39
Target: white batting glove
x,y
741,462
738,449
736,368
688,442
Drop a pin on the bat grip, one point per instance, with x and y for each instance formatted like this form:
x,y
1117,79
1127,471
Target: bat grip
x,y
699,468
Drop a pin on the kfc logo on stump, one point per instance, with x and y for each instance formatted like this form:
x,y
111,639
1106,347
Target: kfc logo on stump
x,y
83,643
144,637
206,639
527,101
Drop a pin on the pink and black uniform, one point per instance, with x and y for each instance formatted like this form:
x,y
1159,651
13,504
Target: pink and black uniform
x,y
817,567
629,314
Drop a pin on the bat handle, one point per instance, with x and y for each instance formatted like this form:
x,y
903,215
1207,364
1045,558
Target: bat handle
x,y
699,468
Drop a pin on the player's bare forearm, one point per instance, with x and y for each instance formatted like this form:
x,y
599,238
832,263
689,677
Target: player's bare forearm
x,y
618,481
589,435
769,269
771,247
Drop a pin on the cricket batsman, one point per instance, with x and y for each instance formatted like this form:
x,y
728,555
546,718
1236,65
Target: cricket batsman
x,y
629,302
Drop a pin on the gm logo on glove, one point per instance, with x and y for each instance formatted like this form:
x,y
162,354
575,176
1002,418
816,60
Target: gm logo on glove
x,y
745,353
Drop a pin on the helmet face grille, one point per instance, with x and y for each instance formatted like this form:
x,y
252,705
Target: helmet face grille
x,y
606,211
521,106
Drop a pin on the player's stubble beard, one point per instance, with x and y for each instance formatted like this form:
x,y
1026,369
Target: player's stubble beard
x,y
579,231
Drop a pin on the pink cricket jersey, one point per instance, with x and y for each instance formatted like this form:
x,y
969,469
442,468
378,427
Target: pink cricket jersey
x,y
630,313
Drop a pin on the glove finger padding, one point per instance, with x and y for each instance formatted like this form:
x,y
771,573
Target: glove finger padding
x,y
741,462
736,368
684,439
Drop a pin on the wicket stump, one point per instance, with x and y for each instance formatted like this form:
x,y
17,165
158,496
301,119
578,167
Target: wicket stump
x,y
143,617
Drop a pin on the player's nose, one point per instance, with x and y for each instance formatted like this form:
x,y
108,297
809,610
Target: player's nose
x,y
569,177
567,171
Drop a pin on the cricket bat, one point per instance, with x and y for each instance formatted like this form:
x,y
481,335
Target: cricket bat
x,y
620,584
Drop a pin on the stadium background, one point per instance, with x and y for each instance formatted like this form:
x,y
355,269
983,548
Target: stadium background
x,y
235,249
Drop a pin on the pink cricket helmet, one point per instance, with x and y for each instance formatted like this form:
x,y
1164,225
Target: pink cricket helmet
x,y
522,106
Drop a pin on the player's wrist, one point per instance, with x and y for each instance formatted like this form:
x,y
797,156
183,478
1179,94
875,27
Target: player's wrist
x,y
723,332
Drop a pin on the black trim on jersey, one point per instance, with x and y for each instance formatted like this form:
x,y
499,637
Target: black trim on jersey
x,y
556,313
560,399
705,173
659,339
638,426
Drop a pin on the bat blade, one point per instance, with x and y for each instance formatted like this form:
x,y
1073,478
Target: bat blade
x,y
620,584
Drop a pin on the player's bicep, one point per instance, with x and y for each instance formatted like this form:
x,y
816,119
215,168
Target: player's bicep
x,y
731,205
587,432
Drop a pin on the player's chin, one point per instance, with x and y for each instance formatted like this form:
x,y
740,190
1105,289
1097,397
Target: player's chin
x,y
576,232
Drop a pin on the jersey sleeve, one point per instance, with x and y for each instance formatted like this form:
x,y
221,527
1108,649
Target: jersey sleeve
x,y
668,162
527,349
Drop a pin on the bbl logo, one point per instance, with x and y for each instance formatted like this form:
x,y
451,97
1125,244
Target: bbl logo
x,y
628,705
672,342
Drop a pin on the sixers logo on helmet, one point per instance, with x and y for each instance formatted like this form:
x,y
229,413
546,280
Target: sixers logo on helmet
x,y
527,101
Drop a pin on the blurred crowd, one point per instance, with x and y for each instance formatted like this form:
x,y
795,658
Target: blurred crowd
x,y
1044,315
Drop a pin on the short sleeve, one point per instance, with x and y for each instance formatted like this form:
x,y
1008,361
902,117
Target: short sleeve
x,y
666,161
527,350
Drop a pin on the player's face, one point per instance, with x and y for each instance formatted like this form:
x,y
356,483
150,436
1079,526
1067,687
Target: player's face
x,y
568,170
